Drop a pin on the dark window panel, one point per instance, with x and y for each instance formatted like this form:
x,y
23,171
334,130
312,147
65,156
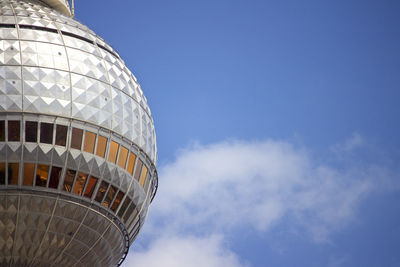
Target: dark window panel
x,y
13,171
14,131
29,171
76,140
2,131
42,173
102,191
129,212
31,131
69,180
109,197
61,135
46,133
55,177
125,205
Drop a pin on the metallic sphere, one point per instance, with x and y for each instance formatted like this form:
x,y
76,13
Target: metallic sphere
x,y
77,142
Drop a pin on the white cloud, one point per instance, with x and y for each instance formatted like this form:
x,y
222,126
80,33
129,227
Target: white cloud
x,y
185,252
214,189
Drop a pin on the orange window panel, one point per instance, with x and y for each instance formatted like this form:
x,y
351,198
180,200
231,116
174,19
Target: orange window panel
x,y
29,171
13,171
123,155
143,176
117,201
109,197
90,140
101,146
112,154
42,173
79,183
138,170
90,187
131,163
102,191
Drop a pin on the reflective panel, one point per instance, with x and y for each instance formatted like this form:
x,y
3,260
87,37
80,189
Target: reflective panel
x,y
131,163
42,173
90,140
14,131
69,180
128,213
101,146
61,135
55,177
79,183
138,170
112,154
90,186
124,206
123,155
2,173
46,133
29,171
31,128
102,191
76,139
110,195
2,131
13,171
117,200
143,176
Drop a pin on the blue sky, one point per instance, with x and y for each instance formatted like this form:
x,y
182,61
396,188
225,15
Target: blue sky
x,y
277,128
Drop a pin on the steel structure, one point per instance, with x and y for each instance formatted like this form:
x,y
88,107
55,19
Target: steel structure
x,y
77,142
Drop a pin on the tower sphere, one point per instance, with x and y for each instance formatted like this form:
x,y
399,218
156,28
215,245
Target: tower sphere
x,y
77,142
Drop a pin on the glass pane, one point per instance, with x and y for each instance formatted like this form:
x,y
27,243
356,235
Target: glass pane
x,y
101,146
2,131
143,176
29,171
117,200
79,183
61,135
69,180
13,170
90,140
112,155
121,211
76,140
13,130
110,195
129,212
123,155
102,191
131,163
31,131
55,177
138,170
90,187
41,175
2,173
46,133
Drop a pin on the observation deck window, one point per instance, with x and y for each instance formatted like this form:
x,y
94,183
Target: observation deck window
x,y
123,155
109,197
29,172
2,173
13,171
69,180
31,128
102,191
61,135
112,155
90,186
42,174
76,140
101,146
131,163
14,131
79,183
46,133
55,177
90,140
2,131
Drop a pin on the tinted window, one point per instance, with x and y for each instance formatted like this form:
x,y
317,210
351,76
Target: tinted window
x,y
55,177
61,135
13,131
13,171
29,171
101,146
42,174
90,140
76,140
31,131
69,180
2,131
46,133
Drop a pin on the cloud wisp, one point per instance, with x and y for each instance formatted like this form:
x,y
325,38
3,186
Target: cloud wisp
x,y
213,190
